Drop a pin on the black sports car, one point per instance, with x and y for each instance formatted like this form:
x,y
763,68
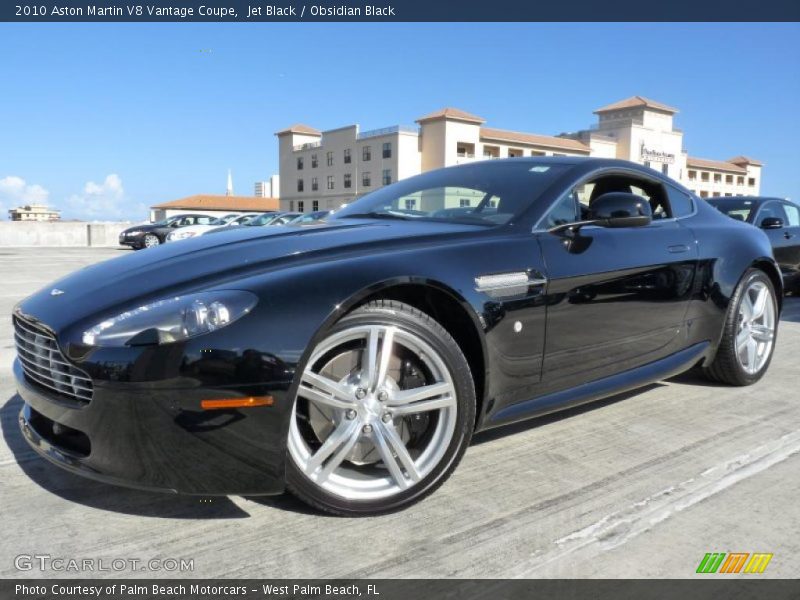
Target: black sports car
x,y
155,234
780,220
351,362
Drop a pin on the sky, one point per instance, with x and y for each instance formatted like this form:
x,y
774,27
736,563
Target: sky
x,y
104,120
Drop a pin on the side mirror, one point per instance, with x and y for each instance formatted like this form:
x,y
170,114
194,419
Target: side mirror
x,y
771,223
620,209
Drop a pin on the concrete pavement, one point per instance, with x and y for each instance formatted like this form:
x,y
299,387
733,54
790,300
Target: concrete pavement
x,y
638,486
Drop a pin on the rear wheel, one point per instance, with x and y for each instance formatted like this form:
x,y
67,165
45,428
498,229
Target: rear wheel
x,y
383,414
748,339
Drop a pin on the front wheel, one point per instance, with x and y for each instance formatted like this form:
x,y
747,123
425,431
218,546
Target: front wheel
x,y
151,240
748,338
384,411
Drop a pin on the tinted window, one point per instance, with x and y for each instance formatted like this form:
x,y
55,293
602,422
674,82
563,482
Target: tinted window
x,y
771,210
566,211
680,203
741,210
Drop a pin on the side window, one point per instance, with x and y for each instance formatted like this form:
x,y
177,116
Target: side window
x,y
681,204
792,215
771,209
565,211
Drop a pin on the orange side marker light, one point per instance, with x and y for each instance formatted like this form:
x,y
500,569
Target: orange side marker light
x,y
246,402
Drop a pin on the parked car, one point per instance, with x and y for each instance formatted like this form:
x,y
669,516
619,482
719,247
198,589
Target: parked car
x,y
154,234
309,218
262,220
195,230
780,220
352,362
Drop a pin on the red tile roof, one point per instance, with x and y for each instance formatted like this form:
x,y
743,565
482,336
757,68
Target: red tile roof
x,y
636,101
714,165
451,113
745,160
299,128
220,202
533,139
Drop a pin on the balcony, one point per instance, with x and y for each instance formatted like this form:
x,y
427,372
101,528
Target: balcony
x,y
306,146
388,131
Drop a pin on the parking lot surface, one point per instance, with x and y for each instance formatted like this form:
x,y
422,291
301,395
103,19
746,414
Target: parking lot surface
x,y
636,486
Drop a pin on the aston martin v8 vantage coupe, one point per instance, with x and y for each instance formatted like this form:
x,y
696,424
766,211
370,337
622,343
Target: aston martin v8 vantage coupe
x,y
351,362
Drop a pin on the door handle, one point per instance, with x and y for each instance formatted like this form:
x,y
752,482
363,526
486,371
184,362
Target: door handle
x,y
678,248
788,235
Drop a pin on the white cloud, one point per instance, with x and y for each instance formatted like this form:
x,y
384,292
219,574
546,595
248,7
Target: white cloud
x,y
15,191
104,201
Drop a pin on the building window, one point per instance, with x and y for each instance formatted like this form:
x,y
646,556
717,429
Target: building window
x,y
716,194
464,202
538,153
299,163
387,150
387,176
647,164
347,156
717,177
740,180
366,181
411,203
315,205
329,158
665,168
465,150
300,206
751,181
491,152
704,176
314,184
692,175
704,194
347,180
291,205
514,152
366,153
314,161
299,185
728,178
728,194
330,182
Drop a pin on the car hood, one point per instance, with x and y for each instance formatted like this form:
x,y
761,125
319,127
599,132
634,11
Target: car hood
x,y
143,227
205,261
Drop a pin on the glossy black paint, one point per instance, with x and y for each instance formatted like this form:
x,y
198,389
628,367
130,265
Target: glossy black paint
x,y
621,307
780,220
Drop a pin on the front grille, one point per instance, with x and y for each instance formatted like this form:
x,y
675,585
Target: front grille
x,y
45,366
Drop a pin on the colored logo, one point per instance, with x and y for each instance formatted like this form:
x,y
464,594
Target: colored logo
x,y
734,562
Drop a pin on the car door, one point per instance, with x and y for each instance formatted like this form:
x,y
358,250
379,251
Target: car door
x,y
782,239
790,250
616,298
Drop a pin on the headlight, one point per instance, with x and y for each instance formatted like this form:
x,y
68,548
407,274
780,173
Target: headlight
x,y
137,232
172,319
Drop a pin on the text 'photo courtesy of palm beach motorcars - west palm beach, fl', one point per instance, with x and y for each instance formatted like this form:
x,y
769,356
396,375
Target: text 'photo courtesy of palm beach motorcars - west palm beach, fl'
x,y
351,360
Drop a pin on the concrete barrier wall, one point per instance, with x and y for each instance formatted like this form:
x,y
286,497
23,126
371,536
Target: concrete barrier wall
x,y
20,233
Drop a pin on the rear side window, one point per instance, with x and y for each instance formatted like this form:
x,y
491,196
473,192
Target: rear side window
x,y
792,215
681,204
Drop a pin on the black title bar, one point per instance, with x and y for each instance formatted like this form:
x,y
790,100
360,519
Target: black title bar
x,y
393,11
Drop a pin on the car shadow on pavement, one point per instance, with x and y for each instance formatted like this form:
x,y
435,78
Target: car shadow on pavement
x,y
511,429
103,496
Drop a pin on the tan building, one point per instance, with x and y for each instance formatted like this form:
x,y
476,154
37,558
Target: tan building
x,y
322,170
34,212
214,205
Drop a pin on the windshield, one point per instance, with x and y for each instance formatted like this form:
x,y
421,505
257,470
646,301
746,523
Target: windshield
x,y
260,220
741,210
216,222
485,193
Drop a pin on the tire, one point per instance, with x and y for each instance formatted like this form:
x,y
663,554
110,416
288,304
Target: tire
x,y
375,448
731,364
151,241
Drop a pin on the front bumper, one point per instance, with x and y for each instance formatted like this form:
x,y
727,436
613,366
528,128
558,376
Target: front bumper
x,y
148,436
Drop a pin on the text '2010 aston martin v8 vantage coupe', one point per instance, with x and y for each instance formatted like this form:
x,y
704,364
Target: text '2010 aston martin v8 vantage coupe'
x,y
351,362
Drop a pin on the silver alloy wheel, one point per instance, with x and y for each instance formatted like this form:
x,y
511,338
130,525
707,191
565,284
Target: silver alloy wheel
x,y
151,240
756,329
364,451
